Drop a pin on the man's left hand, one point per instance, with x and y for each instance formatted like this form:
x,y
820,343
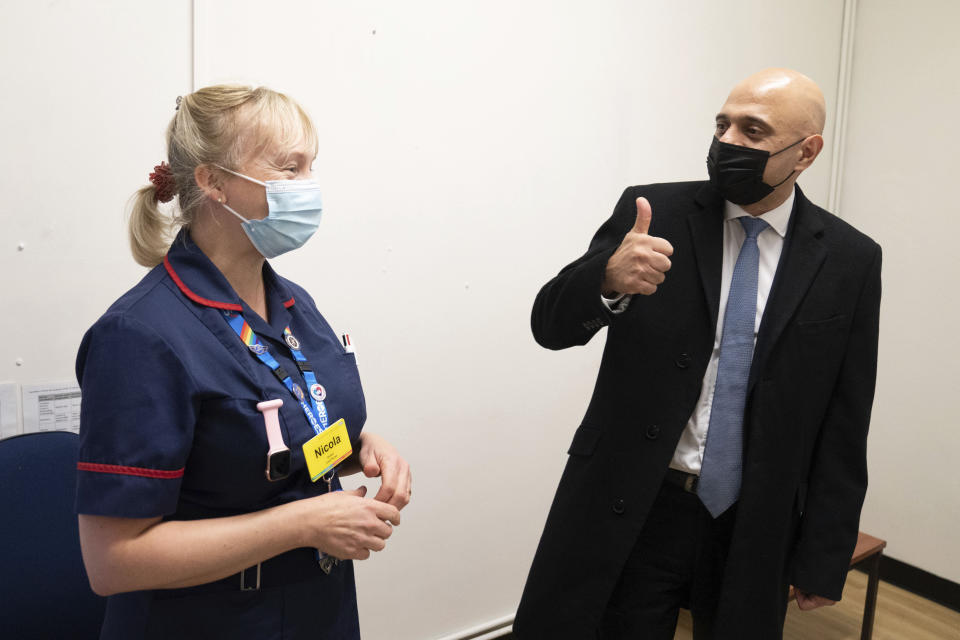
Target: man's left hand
x,y
378,458
808,601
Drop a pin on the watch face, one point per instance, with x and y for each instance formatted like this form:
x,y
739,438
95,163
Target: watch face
x,y
278,465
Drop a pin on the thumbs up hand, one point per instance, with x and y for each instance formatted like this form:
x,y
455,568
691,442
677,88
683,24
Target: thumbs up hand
x,y
640,262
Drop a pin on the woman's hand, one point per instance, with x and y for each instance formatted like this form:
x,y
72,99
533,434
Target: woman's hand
x,y
378,458
347,526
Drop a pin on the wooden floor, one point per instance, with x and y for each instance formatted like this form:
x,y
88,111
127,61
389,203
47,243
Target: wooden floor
x,y
901,615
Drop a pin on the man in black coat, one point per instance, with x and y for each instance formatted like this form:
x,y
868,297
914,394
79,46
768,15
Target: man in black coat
x,y
718,462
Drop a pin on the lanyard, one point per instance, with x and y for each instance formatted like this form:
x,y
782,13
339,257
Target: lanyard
x,y
316,410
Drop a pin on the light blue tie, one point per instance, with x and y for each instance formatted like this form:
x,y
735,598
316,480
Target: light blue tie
x,y
720,474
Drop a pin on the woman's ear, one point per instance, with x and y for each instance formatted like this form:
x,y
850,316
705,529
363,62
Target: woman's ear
x,y
210,182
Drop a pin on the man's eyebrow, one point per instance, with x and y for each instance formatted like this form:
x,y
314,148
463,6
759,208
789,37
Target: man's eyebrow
x,y
756,121
746,120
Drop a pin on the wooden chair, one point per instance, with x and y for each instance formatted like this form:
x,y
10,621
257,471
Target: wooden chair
x,y
868,552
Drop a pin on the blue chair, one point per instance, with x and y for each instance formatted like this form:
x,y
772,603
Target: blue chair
x,y
44,591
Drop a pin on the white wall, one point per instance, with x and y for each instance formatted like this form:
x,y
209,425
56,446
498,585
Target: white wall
x,y
899,181
468,151
87,88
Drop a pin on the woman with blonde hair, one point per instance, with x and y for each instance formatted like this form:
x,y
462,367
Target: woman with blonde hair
x,y
219,408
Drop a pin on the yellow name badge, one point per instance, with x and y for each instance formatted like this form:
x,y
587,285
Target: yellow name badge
x,y
327,449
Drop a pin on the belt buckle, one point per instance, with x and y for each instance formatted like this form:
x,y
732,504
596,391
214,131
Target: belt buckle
x,y
243,580
690,483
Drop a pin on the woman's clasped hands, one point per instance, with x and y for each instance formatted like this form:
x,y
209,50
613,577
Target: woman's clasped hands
x,y
349,525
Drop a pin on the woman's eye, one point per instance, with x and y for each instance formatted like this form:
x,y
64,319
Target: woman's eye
x,y
293,169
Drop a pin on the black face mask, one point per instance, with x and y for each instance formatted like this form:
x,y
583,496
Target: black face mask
x,y
737,172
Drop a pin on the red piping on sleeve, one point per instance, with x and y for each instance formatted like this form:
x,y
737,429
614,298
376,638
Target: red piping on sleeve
x,y
190,294
162,474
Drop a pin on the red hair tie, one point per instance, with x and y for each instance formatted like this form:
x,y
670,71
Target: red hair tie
x,y
163,180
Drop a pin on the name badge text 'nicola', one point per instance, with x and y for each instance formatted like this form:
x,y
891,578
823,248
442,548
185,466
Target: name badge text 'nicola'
x,y
327,449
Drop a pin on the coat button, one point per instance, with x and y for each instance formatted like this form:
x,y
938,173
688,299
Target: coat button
x,y
683,360
618,506
653,432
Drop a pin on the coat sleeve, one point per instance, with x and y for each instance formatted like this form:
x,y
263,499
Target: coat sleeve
x,y
568,310
838,474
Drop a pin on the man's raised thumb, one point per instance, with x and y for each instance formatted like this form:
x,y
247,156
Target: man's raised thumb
x,y
644,214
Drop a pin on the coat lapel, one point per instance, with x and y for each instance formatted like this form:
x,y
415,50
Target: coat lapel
x,y
803,253
706,231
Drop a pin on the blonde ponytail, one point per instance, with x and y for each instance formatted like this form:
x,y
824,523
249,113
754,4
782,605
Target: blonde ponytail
x,y
214,126
149,228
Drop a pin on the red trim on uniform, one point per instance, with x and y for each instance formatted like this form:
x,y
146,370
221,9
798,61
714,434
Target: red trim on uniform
x,y
190,294
288,303
163,474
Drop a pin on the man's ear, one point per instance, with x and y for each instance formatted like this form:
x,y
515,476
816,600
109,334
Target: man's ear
x,y
810,149
210,182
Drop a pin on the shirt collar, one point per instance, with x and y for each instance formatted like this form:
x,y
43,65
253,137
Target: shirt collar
x,y
203,283
778,219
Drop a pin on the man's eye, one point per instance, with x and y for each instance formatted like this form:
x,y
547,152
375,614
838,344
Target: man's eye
x,y
721,127
293,169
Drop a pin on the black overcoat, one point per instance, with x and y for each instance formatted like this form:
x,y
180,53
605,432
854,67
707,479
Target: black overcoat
x,y
808,407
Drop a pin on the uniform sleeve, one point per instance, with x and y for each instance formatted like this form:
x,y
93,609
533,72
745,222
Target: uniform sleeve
x,y
137,414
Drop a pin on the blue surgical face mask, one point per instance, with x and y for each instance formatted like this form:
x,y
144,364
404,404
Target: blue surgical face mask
x,y
293,215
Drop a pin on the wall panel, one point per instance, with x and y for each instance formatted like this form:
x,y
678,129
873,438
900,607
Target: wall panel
x,y
898,182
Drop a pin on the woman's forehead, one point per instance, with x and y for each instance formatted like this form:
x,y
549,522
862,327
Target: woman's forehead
x,y
280,154
272,147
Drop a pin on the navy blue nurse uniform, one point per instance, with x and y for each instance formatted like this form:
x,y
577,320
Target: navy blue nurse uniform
x,y
169,427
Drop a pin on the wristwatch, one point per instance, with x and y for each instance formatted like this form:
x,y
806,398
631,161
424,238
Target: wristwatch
x,y
278,454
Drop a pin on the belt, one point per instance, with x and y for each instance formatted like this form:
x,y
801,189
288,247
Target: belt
x,y
686,481
287,568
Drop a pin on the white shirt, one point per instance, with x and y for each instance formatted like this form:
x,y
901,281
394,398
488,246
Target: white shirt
x,y
689,453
